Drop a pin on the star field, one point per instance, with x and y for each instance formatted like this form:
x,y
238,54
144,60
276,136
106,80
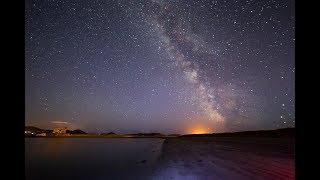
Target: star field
x,y
156,65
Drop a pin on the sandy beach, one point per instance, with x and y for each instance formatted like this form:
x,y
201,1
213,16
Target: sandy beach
x,y
226,158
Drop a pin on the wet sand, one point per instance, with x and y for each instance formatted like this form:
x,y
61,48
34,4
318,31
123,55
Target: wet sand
x,y
226,158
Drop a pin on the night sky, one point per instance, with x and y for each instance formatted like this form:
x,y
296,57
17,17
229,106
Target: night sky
x,y
160,66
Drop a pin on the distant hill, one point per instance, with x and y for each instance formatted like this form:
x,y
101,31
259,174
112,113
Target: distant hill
x,y
34,129
77,131
39,130
110,133
286,132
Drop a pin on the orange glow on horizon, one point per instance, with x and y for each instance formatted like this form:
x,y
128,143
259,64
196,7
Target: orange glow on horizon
x,y
199,129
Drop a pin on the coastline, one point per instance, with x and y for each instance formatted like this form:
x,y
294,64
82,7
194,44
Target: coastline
x,y
101,136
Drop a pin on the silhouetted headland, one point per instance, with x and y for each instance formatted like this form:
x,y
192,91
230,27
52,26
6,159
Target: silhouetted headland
x,y
31,131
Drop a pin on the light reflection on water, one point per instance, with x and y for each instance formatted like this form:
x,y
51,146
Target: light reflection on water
x,y
91,158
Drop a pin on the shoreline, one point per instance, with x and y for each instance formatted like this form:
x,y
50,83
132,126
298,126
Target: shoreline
x,y
167,137
99,136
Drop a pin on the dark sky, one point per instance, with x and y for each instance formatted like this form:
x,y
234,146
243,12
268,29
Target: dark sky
x,y
156,65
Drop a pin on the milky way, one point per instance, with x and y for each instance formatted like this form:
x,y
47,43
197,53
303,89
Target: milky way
x,y
156,65
173,34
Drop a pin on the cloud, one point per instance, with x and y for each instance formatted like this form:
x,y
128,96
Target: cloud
x,y
60,122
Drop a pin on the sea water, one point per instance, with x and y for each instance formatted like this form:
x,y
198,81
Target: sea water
x,y
91,158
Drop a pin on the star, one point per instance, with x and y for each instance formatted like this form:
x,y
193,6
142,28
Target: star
x,y
118,60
